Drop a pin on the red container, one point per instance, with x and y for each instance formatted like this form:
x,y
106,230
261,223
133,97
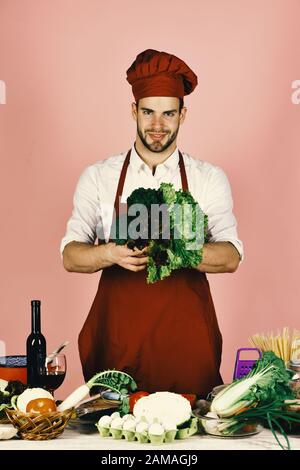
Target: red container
x,y
13,368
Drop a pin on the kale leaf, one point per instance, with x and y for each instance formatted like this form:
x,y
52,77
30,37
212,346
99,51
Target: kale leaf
x,y
177,245
14,387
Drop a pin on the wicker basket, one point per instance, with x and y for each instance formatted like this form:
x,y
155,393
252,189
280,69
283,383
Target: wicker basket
x,y
4,420
39,427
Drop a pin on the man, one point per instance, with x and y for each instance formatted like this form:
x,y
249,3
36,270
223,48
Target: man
x,y
165,334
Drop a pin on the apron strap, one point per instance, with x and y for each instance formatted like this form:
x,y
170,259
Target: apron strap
x,y
184,181
121,182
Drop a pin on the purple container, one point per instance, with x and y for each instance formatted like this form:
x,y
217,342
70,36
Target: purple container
x,y
243,366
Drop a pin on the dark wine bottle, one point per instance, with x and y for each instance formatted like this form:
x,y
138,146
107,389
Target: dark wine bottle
x,y
35,347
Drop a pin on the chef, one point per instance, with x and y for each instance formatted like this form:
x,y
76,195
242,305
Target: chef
x,y
165,334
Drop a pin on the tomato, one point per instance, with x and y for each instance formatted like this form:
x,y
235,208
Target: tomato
x,y
134,397
249,428
41,405
190,397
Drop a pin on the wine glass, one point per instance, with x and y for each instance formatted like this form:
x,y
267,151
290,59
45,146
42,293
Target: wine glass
x,y
55,372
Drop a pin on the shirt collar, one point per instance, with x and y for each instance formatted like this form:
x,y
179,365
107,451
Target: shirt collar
x,y
170,163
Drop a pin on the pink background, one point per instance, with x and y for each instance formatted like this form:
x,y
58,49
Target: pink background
x,y
68,105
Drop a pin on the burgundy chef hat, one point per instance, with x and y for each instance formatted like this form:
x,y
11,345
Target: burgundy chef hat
x,y
155,73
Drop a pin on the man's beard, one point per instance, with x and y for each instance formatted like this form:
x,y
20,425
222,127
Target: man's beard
x,y
157,146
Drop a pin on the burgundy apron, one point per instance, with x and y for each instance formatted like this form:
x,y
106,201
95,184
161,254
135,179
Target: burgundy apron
x,y
165,335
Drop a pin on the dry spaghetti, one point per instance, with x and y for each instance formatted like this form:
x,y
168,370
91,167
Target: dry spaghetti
x,y
285,344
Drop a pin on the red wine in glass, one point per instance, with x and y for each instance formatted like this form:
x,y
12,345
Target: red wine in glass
x,y
54,373
53,380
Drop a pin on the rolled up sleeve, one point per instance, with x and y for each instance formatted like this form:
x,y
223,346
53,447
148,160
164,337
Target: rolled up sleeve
x,y
222,224
82,224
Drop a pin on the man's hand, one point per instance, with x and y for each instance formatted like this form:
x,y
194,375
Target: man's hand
x,y
81,257
134,260
219,257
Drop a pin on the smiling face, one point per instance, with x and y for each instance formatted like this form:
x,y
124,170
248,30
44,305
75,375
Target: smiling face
x,y
158,119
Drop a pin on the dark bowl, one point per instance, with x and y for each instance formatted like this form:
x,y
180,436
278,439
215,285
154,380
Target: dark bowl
x,y
92,410
13,368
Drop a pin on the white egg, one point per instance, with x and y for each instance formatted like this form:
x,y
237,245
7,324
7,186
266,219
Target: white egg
x,y
128,416
105,421
129,425
142,426
168,425
31,394
156,429
116,423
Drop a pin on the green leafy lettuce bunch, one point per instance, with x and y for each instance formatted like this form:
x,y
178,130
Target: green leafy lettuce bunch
x,y
172,225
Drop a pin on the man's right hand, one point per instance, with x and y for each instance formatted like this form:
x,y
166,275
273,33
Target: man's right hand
x,y
82,257
134,260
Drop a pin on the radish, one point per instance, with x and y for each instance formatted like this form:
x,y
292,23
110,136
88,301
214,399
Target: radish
x,y
113,379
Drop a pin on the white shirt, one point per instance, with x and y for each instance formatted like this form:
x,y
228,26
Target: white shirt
x,y
96,189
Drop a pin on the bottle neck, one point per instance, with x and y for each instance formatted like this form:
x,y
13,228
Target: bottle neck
x,y
35,316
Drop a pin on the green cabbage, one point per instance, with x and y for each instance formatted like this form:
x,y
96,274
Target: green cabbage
x,y
182,247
